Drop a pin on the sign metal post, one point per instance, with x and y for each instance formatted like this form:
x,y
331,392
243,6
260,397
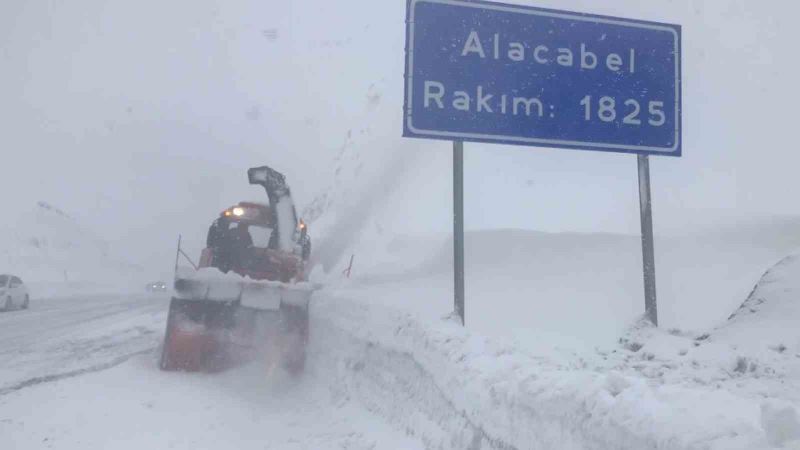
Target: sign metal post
x,y
458,228
648,249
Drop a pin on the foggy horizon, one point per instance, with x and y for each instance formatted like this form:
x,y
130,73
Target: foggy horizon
x,y
123,113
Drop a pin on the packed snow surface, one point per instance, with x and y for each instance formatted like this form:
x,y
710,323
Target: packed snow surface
x,y
81,373
68,336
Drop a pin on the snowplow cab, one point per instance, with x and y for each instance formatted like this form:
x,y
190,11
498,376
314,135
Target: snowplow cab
x,y
245,239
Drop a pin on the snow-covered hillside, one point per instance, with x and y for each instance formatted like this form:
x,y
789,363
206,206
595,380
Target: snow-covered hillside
x,y
582,290
50,250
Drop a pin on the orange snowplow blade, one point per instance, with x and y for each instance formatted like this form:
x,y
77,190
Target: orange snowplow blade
x,y
194,339
212,334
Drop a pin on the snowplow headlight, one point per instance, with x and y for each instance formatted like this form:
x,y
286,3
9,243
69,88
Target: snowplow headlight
x,y
238,212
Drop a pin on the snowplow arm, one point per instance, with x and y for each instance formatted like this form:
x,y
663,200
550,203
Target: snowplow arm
x,y
273,182
284,215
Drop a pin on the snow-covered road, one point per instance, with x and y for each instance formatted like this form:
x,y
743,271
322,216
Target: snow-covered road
x,y
81,372
60,337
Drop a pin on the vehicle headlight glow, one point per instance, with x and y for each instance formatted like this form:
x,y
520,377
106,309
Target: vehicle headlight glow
x,y
238,212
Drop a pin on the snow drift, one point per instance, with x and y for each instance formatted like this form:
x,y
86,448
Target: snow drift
x,y
452,389
734,387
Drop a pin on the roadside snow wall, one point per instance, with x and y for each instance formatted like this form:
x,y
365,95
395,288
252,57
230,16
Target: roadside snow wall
x,y
454,390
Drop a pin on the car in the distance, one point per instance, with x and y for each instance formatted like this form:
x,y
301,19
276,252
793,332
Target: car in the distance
x,y
13,293
156,286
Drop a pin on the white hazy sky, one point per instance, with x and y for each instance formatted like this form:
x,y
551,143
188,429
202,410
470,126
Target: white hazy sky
x,y
140,118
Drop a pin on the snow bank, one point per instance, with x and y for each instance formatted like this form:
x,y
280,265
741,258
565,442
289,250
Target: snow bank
x,y
755,354
767,320
781,424
453,389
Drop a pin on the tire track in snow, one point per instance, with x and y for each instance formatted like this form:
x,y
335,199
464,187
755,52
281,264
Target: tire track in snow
x,y
73,373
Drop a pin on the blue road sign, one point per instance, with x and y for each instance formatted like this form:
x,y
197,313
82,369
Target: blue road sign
x,y
491,72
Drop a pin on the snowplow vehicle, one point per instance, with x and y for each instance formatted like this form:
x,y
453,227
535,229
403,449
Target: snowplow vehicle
x,y
248,296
